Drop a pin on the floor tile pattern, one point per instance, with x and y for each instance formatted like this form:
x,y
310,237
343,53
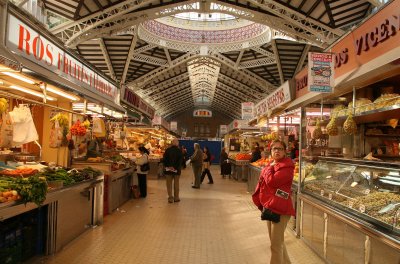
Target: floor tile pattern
x,y
216,224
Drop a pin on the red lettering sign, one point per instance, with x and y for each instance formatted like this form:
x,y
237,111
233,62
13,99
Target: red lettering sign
x,y
43,51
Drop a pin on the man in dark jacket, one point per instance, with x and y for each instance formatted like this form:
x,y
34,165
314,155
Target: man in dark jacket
x,y
256,155
172,169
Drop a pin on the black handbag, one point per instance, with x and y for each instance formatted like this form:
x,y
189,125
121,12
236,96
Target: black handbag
x,y
268,215
145,167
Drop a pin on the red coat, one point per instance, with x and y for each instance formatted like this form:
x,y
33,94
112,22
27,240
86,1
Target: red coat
x,y
272,178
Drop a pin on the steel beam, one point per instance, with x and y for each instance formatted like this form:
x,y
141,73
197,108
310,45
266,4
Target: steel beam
x,y
129,57
107,58
313,27
278,61
256,63
302,59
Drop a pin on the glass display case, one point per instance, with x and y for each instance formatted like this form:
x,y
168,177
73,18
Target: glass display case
x,y
368,190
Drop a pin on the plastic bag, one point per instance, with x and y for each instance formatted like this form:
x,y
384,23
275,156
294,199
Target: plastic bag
x,y
99,128
6,131
24,130
56,135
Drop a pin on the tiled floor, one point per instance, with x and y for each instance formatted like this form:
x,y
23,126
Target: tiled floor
x,y
216,224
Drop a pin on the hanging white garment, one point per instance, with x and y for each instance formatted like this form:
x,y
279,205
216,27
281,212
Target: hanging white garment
x,y
24,130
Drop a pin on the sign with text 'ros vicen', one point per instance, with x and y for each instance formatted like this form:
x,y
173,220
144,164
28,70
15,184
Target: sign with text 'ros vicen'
x,y
321,72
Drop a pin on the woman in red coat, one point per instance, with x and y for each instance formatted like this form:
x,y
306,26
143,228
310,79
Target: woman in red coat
x,y
273,192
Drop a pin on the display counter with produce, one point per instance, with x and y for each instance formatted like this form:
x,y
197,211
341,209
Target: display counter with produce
x,y
78,193
240,166
350,170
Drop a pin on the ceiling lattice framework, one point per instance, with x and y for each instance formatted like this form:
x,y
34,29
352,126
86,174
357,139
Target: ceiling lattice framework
x,y
109,35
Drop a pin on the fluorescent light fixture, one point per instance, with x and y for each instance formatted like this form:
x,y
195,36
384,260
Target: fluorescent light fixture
x,y
61,93
19,77
137,133
78,106
117,115
29,91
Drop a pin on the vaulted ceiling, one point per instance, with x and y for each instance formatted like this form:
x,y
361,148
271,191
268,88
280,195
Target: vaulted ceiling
x,y
114,36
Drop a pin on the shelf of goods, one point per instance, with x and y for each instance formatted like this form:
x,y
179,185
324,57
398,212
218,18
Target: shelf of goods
x,y
27,230
117,183
356,201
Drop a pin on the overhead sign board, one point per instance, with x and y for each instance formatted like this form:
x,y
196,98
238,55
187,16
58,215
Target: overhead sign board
x,y
279,97
239,124
32,45
173,126
133,100
223,129
247,110
321,72
202,113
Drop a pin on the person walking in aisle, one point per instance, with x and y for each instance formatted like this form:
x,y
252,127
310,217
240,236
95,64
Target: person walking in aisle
x,y
206,166
142,175
225,166
197,162
273,197
172,169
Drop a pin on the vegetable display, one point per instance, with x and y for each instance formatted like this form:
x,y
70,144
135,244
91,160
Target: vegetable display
x,y
15,187
78,129
19,172
31,189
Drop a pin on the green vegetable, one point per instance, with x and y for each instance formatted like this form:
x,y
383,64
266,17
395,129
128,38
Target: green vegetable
x,y
32,189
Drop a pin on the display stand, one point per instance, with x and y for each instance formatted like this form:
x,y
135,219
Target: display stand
x,y
240,169
117,184
82,200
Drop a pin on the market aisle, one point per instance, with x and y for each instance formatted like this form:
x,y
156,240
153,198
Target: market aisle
x,y
215,224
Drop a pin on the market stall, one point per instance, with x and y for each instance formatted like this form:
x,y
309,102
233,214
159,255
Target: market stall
x,y
238,140
41,132
350,152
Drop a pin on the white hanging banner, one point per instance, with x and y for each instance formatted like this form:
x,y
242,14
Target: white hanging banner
x,y
247,110
223,129
173,125
321,71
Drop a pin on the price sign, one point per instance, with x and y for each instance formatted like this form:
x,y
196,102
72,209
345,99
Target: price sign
x,y
322,192
362,208
330,196
367,191
351,203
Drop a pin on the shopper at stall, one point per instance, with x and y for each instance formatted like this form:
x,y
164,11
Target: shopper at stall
x,y
225,166
184,155
172,169
142,171
273,197
197,163
95,147
256,154
206,166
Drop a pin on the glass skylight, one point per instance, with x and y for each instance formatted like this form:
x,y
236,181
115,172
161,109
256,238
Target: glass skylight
x,y
194,16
